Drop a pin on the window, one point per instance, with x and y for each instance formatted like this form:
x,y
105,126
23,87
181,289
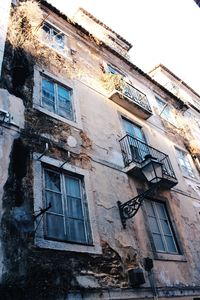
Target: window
x,y
54,38
160,227
70,224
67,219
166,111
57,98
138,148
184,163
111,69
134,130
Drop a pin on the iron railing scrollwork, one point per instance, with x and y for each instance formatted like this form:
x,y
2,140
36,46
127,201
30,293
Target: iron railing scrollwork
x,y
134,95
135,150
129,209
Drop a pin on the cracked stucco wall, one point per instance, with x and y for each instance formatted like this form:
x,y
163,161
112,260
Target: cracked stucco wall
x,y
49,273
4,12
8,134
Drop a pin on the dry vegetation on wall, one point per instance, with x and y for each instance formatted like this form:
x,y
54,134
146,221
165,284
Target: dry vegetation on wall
x,y
26,33
113,81
185,130
25,30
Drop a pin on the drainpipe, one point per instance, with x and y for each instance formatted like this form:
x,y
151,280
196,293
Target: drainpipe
x,y
148,265
153,285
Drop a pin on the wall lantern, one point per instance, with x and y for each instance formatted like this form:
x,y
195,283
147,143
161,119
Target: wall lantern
x,y
4,116
152,170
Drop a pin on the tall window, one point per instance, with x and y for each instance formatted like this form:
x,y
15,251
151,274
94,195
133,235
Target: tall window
x,y
54,38
138,147
67,219
184,163
166,111
134,130
57,98
160,227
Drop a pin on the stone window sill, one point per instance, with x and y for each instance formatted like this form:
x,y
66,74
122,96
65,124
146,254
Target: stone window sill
x,y
169,257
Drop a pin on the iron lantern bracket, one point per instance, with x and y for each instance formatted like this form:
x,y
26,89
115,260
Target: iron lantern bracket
x,y
129,209
42,211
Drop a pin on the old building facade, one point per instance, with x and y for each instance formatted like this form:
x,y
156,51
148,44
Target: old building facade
x,y
79,121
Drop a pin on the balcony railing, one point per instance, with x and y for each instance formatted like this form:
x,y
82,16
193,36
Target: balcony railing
x,y
134,150
136,96
132,99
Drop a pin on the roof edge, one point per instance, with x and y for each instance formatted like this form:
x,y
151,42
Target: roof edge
x,y
79,27
175,76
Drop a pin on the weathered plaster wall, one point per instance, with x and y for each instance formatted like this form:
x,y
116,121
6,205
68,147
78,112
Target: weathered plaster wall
x,y
4,12
8,134
46,273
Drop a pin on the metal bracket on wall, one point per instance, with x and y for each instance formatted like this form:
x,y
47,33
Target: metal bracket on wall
x,y
68,157
45,150
129,209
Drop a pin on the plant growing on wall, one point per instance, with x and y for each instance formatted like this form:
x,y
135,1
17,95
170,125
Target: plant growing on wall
x,y
113,81
186,130
24,34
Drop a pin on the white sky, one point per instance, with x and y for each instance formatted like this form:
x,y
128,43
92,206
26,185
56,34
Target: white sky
x,y
160,31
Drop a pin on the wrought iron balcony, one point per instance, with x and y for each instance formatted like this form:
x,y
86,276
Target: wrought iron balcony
x,y
134,152
131,99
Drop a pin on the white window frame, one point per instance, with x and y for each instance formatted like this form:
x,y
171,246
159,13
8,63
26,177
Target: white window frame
x,y
63,51
166,107
160,227
40,240
56,85
189,172
71,84
63,193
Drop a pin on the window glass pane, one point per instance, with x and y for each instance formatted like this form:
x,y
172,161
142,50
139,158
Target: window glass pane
x,y
133,130
170,244
58,39
138,133
45,32
128,127
52,180
55,226
73,186
153,225
158,242
64,94
167,111
76,230
149,208
48,99
184,163
165,227
75,208
56,202
64,103
161,103
161,210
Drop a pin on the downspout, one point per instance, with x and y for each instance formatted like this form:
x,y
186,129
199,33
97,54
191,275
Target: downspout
x,y
152,284
148,265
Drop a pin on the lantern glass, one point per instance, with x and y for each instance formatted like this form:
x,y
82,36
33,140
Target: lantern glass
x,y
152,169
